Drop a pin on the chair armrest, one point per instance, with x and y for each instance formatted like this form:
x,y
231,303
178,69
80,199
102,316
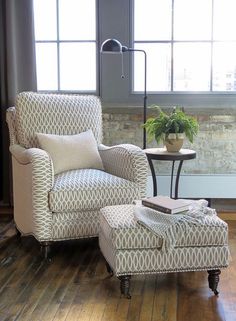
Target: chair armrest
x,y
40,160
11,122
26,156
33,178
126,161
20,153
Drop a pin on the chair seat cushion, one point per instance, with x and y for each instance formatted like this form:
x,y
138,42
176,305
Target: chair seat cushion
x,y
88,189
119,227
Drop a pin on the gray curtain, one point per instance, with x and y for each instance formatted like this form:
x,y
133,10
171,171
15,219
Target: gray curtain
x,y
17,72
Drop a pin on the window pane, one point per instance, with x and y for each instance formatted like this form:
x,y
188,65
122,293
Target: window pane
x,y
158,67
46,58
77,20
224,67
45,19
78,66
192,19
152,19
224,20
192,65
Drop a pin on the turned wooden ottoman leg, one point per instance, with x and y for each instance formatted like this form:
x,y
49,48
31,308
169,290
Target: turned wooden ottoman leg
x,y
213,279
124,285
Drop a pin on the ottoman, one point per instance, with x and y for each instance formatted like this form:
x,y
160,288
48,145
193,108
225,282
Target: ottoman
x,y
130,248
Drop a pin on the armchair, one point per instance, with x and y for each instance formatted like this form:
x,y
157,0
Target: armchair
x,y
66,206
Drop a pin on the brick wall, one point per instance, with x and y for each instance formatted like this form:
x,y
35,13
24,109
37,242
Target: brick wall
x,y
215,144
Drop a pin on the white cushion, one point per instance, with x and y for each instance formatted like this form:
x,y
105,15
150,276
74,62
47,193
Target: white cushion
x,y
71,151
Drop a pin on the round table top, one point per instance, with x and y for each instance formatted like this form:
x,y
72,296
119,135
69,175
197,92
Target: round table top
x,y
162,154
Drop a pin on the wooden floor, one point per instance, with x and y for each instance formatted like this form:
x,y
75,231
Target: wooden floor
x,y
75,286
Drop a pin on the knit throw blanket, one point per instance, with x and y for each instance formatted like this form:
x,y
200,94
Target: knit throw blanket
x,y
170,227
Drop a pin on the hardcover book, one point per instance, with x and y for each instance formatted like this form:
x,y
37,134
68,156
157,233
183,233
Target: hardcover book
x,y
166,204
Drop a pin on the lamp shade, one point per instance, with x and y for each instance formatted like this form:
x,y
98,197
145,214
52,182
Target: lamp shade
x,y
111,46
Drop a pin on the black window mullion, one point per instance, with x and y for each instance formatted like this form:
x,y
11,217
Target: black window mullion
x,y
58,50
212,40
172,49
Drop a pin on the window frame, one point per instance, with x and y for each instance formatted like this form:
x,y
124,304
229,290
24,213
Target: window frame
x,y
114,19
191,98
58,42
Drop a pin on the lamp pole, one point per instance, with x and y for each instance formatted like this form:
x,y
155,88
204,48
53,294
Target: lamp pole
x,y
114,46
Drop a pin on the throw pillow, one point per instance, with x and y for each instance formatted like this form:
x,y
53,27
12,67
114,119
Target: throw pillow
x,y
71,151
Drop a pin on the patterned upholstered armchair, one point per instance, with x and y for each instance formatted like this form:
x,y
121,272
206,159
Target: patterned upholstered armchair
x,y
66,206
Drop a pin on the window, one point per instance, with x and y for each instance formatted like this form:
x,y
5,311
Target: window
x,y
66,54
190,45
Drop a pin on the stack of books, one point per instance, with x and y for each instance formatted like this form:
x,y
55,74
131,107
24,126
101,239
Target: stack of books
x,y
166,204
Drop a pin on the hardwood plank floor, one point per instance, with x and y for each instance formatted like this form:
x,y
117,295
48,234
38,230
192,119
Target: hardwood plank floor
x,y
75,286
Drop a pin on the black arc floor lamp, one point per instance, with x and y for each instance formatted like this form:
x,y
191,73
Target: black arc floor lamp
x,y
114,46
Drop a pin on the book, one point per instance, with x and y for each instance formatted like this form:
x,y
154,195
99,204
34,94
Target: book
x,y
166,204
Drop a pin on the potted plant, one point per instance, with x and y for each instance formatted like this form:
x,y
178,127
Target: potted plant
x,y
171,128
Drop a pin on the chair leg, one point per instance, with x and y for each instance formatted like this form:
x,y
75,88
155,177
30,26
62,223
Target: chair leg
x,y
125,285
213,280
45,248
109,269
18,233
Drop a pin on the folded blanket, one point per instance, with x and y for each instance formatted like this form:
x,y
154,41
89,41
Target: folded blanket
x,y
170,227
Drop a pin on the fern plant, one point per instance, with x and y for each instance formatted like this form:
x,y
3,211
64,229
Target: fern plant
x,y
177,122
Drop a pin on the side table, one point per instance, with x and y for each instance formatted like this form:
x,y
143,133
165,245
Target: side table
x,y
162,155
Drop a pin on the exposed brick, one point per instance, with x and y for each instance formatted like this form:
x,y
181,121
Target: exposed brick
x,y
137,118
203,118
215,143
222,118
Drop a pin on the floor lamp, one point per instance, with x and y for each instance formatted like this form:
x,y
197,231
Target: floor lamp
x,y
114,46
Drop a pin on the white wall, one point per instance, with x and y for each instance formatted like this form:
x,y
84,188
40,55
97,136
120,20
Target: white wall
x,y
197,186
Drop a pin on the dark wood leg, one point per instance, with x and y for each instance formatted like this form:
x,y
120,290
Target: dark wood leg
x,y
18,233
213,279
109,269
124,285
45,250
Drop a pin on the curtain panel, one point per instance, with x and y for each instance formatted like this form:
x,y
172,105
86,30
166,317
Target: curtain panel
x,y
17,73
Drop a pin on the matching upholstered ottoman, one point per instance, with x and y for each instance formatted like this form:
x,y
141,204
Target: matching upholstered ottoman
x,y
130,248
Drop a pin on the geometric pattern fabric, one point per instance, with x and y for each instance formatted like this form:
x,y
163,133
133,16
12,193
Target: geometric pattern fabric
x,y
126,161
119,225
74,225
86,189
132,249
180,259
67,205
56,114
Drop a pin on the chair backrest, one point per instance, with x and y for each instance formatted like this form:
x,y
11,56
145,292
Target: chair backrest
x,y
56,114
